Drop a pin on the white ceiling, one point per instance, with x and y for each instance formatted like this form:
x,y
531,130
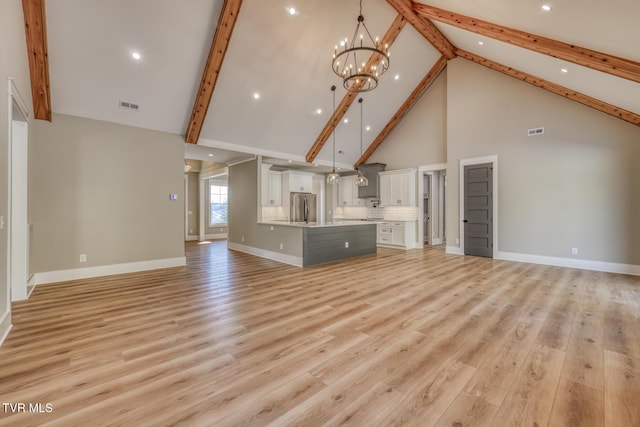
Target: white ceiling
x,y
287,60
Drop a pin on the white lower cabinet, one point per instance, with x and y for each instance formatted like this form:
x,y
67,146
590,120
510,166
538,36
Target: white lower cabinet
x,y
398,234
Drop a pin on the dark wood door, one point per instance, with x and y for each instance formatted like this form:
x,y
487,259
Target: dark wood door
x,y
478,210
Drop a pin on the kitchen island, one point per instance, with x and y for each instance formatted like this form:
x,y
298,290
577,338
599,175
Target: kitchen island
x,y
324,242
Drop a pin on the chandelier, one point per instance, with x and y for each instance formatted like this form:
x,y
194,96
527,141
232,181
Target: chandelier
x,y
352,65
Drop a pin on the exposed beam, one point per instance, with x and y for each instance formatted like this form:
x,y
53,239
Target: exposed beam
x,y
612,110
219,45
387,39
424,27
35,25
610,64
433,73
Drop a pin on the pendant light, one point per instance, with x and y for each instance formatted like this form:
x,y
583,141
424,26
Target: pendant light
x,y
333,177
361,180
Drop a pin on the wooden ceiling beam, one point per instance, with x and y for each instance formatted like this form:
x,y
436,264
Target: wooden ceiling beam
x,y
610,64
35,25
388,39
219,45
583,99
424,27
433,73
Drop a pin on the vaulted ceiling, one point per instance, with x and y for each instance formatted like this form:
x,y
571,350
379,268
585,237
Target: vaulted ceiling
x,y
285,59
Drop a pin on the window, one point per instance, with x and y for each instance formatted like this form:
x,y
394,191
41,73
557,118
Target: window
x,y
217,202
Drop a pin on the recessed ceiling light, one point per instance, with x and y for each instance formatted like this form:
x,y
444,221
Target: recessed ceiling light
x,y
136,56
292,11
397,77
289,161
481,43
319,111
346,120
256,96
368,128
546,7
564,70
210,155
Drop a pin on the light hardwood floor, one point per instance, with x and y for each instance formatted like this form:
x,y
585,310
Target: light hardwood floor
x,y
399,338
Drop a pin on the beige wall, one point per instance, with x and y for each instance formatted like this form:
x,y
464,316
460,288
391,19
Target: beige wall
x,y
102,189
193,201
577,185
243,214
420,138
14,64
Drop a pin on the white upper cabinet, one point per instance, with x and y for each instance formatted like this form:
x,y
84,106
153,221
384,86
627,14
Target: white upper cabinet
x,y
398,188
297,181
348,192
271,188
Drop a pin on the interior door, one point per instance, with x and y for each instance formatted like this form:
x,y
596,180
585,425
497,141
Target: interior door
x,y
478,210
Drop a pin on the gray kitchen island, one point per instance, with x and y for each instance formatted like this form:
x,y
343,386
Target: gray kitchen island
x,y
331,241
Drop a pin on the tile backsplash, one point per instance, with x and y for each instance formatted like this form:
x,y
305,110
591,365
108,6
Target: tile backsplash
x,y
391,213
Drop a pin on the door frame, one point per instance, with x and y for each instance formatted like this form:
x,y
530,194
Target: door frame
x,y
493,159
420,189
14,98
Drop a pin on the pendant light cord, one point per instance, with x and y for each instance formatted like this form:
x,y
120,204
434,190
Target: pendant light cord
x,y
333,89
360,101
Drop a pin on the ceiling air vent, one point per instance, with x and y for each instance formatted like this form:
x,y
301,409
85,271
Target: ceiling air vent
x,y
129,105
536,131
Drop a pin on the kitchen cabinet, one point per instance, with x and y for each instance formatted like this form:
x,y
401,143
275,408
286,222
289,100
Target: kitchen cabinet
x,y
399,234
297,181
398,188
271,188
348,192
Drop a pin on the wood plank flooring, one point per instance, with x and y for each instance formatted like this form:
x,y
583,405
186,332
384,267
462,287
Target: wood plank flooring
x,y
415,338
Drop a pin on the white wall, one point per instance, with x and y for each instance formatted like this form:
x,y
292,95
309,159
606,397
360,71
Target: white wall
x,y
14,64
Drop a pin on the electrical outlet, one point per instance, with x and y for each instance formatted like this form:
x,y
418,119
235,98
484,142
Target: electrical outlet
x,y
242,238
346,244
83,257
457,241
191,231
574,251
1,222
281,246
271,228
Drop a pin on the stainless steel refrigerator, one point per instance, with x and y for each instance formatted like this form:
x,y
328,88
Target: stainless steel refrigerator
x,y
303,207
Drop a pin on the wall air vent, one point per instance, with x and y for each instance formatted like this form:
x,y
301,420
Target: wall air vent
x,y
129,105
536,131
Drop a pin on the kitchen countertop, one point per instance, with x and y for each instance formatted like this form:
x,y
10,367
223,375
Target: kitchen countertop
x,y
335,223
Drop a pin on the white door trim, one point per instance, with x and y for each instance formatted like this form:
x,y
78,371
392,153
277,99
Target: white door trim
x,y
15,291
421,170
493,159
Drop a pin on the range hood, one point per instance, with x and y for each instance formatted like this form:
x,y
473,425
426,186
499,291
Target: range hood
x,y
371,191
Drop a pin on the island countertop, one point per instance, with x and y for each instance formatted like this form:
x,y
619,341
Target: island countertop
x,y
335,223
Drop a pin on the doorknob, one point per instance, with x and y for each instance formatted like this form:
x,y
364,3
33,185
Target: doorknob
x,y
465,220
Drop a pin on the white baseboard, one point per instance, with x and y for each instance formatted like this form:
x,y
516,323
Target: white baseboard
x,y
191,238
263,253
215,236
5,326
436,241
107,270
583,264
454,250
